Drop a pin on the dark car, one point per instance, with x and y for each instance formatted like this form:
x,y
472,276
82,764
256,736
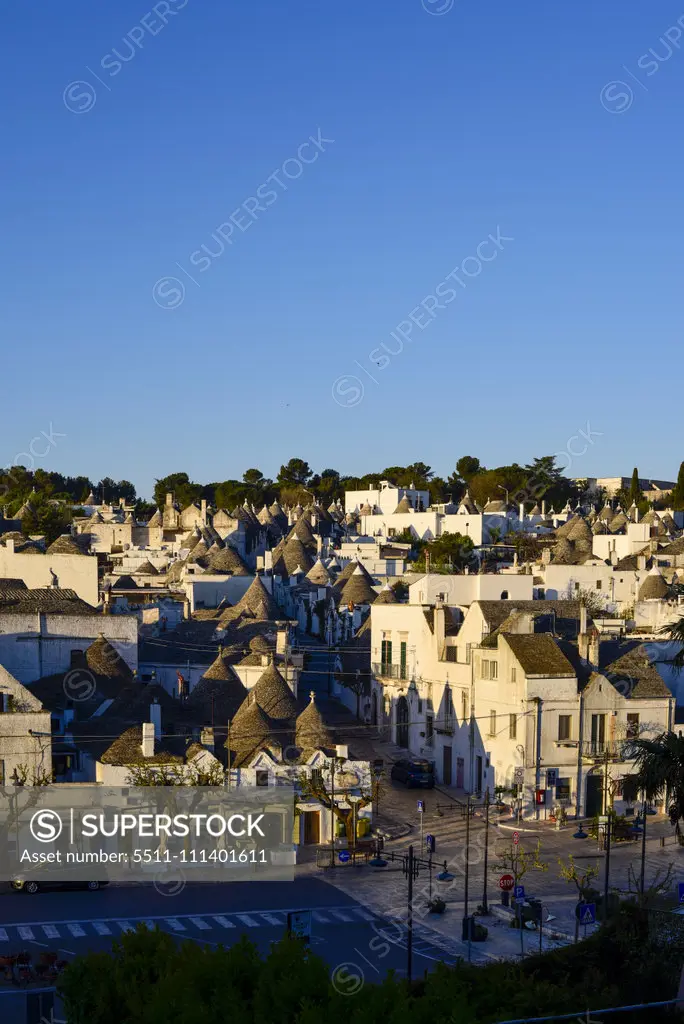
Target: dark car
x,y
34,885
414,773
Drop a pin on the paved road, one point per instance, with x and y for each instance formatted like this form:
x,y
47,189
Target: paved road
x,y
344,932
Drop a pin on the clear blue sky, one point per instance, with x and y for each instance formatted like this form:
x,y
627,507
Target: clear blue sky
x,y
447,127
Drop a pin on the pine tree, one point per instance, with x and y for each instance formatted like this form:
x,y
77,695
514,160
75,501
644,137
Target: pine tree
x,y
678,492
635,494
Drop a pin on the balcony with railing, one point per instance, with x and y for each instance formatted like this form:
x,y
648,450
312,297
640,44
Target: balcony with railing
x,y
617,749
386,670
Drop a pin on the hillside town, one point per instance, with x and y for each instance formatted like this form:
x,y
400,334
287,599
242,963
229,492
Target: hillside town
x,y
309,636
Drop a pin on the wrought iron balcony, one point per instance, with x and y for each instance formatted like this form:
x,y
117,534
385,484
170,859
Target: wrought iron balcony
x,y
389,671
620,749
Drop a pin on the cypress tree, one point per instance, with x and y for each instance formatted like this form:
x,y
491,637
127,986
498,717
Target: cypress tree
x,y
635,494
678,492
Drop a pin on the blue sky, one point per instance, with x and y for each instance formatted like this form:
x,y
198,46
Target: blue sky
x,y
449,124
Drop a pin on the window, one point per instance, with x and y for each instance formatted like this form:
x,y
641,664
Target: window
x,y
632,726
598,733
504,595
513,674
429,728
577,586
402,659
492,723
564,724
420,704
464,706
468,654
2,773
598,584
489,669
512,727
563,789
261,778
386,653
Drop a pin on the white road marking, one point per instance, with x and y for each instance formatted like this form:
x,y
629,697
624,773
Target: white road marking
x,y
341,916
150,924
76,930
363,913
26,933
320,918
366,959
272,919
4,937
51,931
101,928
224,922
199,923
125,926
249,921
175,924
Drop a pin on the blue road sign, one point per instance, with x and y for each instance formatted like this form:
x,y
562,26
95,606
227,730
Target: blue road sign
x,y
588,914
519,892
681,892
421,806
430,843
344,856
299,924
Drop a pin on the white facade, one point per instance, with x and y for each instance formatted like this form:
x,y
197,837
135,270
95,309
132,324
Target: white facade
x,y
25,734
74,572
463,590
385,497
34,645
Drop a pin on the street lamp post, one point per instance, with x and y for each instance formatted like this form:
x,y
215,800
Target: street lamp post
x,y
485,908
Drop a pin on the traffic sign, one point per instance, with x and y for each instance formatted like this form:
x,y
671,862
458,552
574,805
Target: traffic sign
x,y
551,777
506,882
516,838
519,775
588,914
421,806
519,892
344,856
430,843
681,892
299,924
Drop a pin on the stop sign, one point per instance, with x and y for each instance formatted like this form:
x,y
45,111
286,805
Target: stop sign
x,y
506,882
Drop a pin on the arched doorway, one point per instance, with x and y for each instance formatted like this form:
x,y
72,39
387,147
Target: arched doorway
x,y
374,708
402,738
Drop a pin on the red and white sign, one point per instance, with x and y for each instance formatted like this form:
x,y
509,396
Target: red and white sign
x,y
506,882
516,838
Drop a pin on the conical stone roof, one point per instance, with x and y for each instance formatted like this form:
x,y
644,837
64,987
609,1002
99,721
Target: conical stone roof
x,y
311,732
274,695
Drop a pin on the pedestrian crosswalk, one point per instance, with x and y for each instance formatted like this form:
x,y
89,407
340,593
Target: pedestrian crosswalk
x,y
184,925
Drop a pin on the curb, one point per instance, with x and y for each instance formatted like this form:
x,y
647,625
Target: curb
x,y
550,932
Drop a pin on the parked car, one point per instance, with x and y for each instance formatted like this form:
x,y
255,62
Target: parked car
x,y
414,773
34,885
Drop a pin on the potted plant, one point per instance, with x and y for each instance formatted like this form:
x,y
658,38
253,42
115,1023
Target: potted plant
x,y
436,905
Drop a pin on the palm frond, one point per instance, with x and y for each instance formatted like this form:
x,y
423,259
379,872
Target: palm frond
x,y
675,631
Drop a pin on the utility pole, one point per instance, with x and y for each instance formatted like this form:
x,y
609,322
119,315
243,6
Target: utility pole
x,y
466,918
486,852
643,847
537,769
332,813
606,880
409,937
228,770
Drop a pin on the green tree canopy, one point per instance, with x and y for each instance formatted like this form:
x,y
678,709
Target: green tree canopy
x,y
294,473
678,492
467,466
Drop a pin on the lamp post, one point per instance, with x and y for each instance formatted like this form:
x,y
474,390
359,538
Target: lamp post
x,y
485,908
579,834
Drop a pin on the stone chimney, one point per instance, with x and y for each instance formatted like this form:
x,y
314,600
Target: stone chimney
x,y
614,557
186,609
593,653
147,739
440,625
543,506
207,738
521,511
342,750
203,507
9,546
319,544
583,618
155,718
169,499
546,556
282,638
641,562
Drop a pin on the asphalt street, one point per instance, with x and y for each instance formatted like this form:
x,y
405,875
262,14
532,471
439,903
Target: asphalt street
x,y
357,944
